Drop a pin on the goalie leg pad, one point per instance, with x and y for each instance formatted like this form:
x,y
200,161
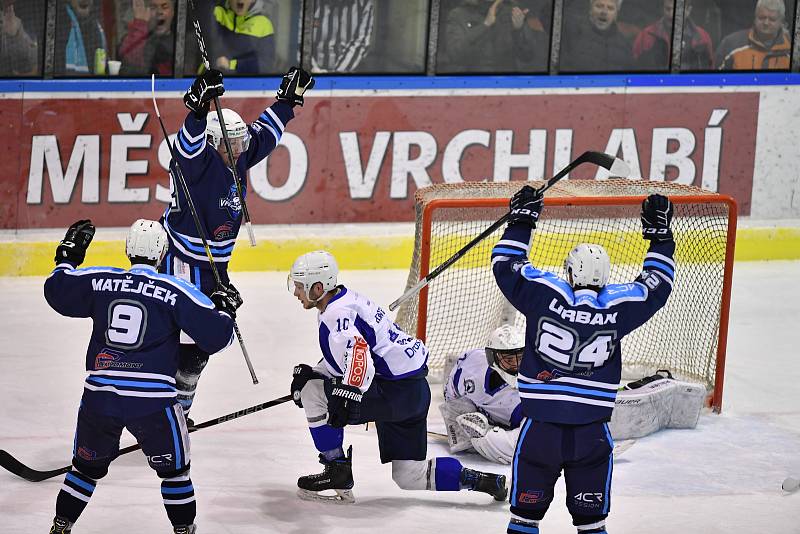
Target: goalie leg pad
x,y
497,445
457,439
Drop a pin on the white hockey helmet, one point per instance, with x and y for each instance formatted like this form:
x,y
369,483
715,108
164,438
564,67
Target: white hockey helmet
x,y
312,267
147,242
504,351
587,265
238,134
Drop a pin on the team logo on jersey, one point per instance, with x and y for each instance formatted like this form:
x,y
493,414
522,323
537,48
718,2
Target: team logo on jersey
x,y
224,231
231,202
531,496
113,359
358,363
469,386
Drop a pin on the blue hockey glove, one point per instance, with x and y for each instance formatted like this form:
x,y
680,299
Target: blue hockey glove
x,y
344,405
202,92
72,249
525,206
656,217
293,85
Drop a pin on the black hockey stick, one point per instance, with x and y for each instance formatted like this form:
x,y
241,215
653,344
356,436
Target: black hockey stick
x,y
615,165
178,176
11,464
204,54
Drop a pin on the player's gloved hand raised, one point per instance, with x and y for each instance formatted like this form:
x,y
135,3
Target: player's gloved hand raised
x,y
656,217
226,301
72,249
525,206
293,85
301,374
205,87
344,405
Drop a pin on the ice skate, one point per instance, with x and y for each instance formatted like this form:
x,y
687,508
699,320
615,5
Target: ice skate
x,y
337,476
185,529
61,526
494,485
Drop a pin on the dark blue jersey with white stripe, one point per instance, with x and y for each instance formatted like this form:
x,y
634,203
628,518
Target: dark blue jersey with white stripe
x,y
137,316
213,192
572,363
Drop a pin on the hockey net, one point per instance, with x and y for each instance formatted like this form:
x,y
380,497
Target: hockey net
x,y
460,307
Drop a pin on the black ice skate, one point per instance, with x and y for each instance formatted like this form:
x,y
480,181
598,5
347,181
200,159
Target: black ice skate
x,y
185,529
337,476
61,526
494,485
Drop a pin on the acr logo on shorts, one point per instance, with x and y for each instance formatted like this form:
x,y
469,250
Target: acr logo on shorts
x,y
531,496
158,459
358,364
589,499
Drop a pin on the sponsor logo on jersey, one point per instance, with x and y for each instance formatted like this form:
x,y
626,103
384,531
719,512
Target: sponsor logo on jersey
x,y
531,496
589,499
544,376
358,363
224,231
113,359
231,202
160,459
582,317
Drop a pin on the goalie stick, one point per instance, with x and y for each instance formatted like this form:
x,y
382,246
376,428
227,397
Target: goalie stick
x,y
178,177
12,465
616,166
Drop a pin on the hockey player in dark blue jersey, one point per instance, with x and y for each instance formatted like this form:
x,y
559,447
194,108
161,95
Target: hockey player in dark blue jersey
x,y
137,315
572,364
203,158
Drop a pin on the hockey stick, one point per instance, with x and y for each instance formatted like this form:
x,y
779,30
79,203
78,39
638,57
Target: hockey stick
x,y
204,54
11,464
178,175
615,165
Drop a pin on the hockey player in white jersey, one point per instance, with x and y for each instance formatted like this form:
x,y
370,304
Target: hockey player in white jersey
x,y
482,408
371,371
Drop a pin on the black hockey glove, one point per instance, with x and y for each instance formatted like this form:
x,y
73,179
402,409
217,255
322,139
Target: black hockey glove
x,y
234,294
72,249
226,300
657,213
205,87
294,84
301,374
525,206
344,405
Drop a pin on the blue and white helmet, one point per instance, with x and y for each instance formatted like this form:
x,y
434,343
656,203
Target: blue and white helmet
x,y
587,265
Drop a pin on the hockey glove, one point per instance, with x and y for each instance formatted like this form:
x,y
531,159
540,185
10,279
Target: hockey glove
x,y
205,88
301,374
344,405
235,295
294,84
525,206
72,249
226,301
657,213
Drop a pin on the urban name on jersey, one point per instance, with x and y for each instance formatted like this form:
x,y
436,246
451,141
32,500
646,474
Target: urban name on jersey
x,y
575,316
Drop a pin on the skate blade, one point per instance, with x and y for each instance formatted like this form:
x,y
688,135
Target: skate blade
x,y
342,496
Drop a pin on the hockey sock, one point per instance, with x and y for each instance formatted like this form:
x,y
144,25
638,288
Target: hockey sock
x,y
447,474
328,439
178,495
74,495
598,527
518,525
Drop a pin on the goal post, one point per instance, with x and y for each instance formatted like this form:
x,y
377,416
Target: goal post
x,y
459,309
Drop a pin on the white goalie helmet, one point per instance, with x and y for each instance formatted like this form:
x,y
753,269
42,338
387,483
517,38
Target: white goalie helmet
x,y
312,267
238,134
147,242
504,352
587,265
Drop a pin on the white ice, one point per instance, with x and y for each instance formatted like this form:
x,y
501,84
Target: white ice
x,y
723,477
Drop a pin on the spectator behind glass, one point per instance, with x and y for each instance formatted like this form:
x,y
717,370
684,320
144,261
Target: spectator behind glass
x,y
596,44
651,49
18,51
80,40
493,36
764,46
245,41
341,34
148,45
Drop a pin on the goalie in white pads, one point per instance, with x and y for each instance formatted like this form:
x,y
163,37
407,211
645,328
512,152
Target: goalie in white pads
x,y
482,408
371,371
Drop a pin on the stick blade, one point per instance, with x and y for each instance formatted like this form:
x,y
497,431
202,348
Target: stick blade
x,y
615,166
14,466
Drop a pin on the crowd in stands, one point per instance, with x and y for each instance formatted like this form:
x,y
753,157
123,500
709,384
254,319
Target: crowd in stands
x,y
252,37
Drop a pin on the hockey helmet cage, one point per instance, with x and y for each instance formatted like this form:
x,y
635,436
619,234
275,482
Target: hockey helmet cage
x,y
587,265
312,267
504,352
238,134
146,242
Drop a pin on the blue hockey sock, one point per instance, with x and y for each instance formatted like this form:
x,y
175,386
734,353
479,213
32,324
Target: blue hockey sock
x,y
74,495
326,438
522,526
178,495
448,474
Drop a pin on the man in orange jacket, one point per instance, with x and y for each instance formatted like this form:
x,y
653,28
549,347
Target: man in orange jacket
x,y
764,46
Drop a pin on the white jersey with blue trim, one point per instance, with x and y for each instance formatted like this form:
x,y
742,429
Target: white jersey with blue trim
x,y
360,342
572,364
473,379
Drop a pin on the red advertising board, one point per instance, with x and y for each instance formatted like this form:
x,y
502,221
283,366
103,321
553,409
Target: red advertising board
x,y
360,158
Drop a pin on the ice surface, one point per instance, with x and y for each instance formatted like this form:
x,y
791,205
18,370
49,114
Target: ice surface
x,y
723,477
